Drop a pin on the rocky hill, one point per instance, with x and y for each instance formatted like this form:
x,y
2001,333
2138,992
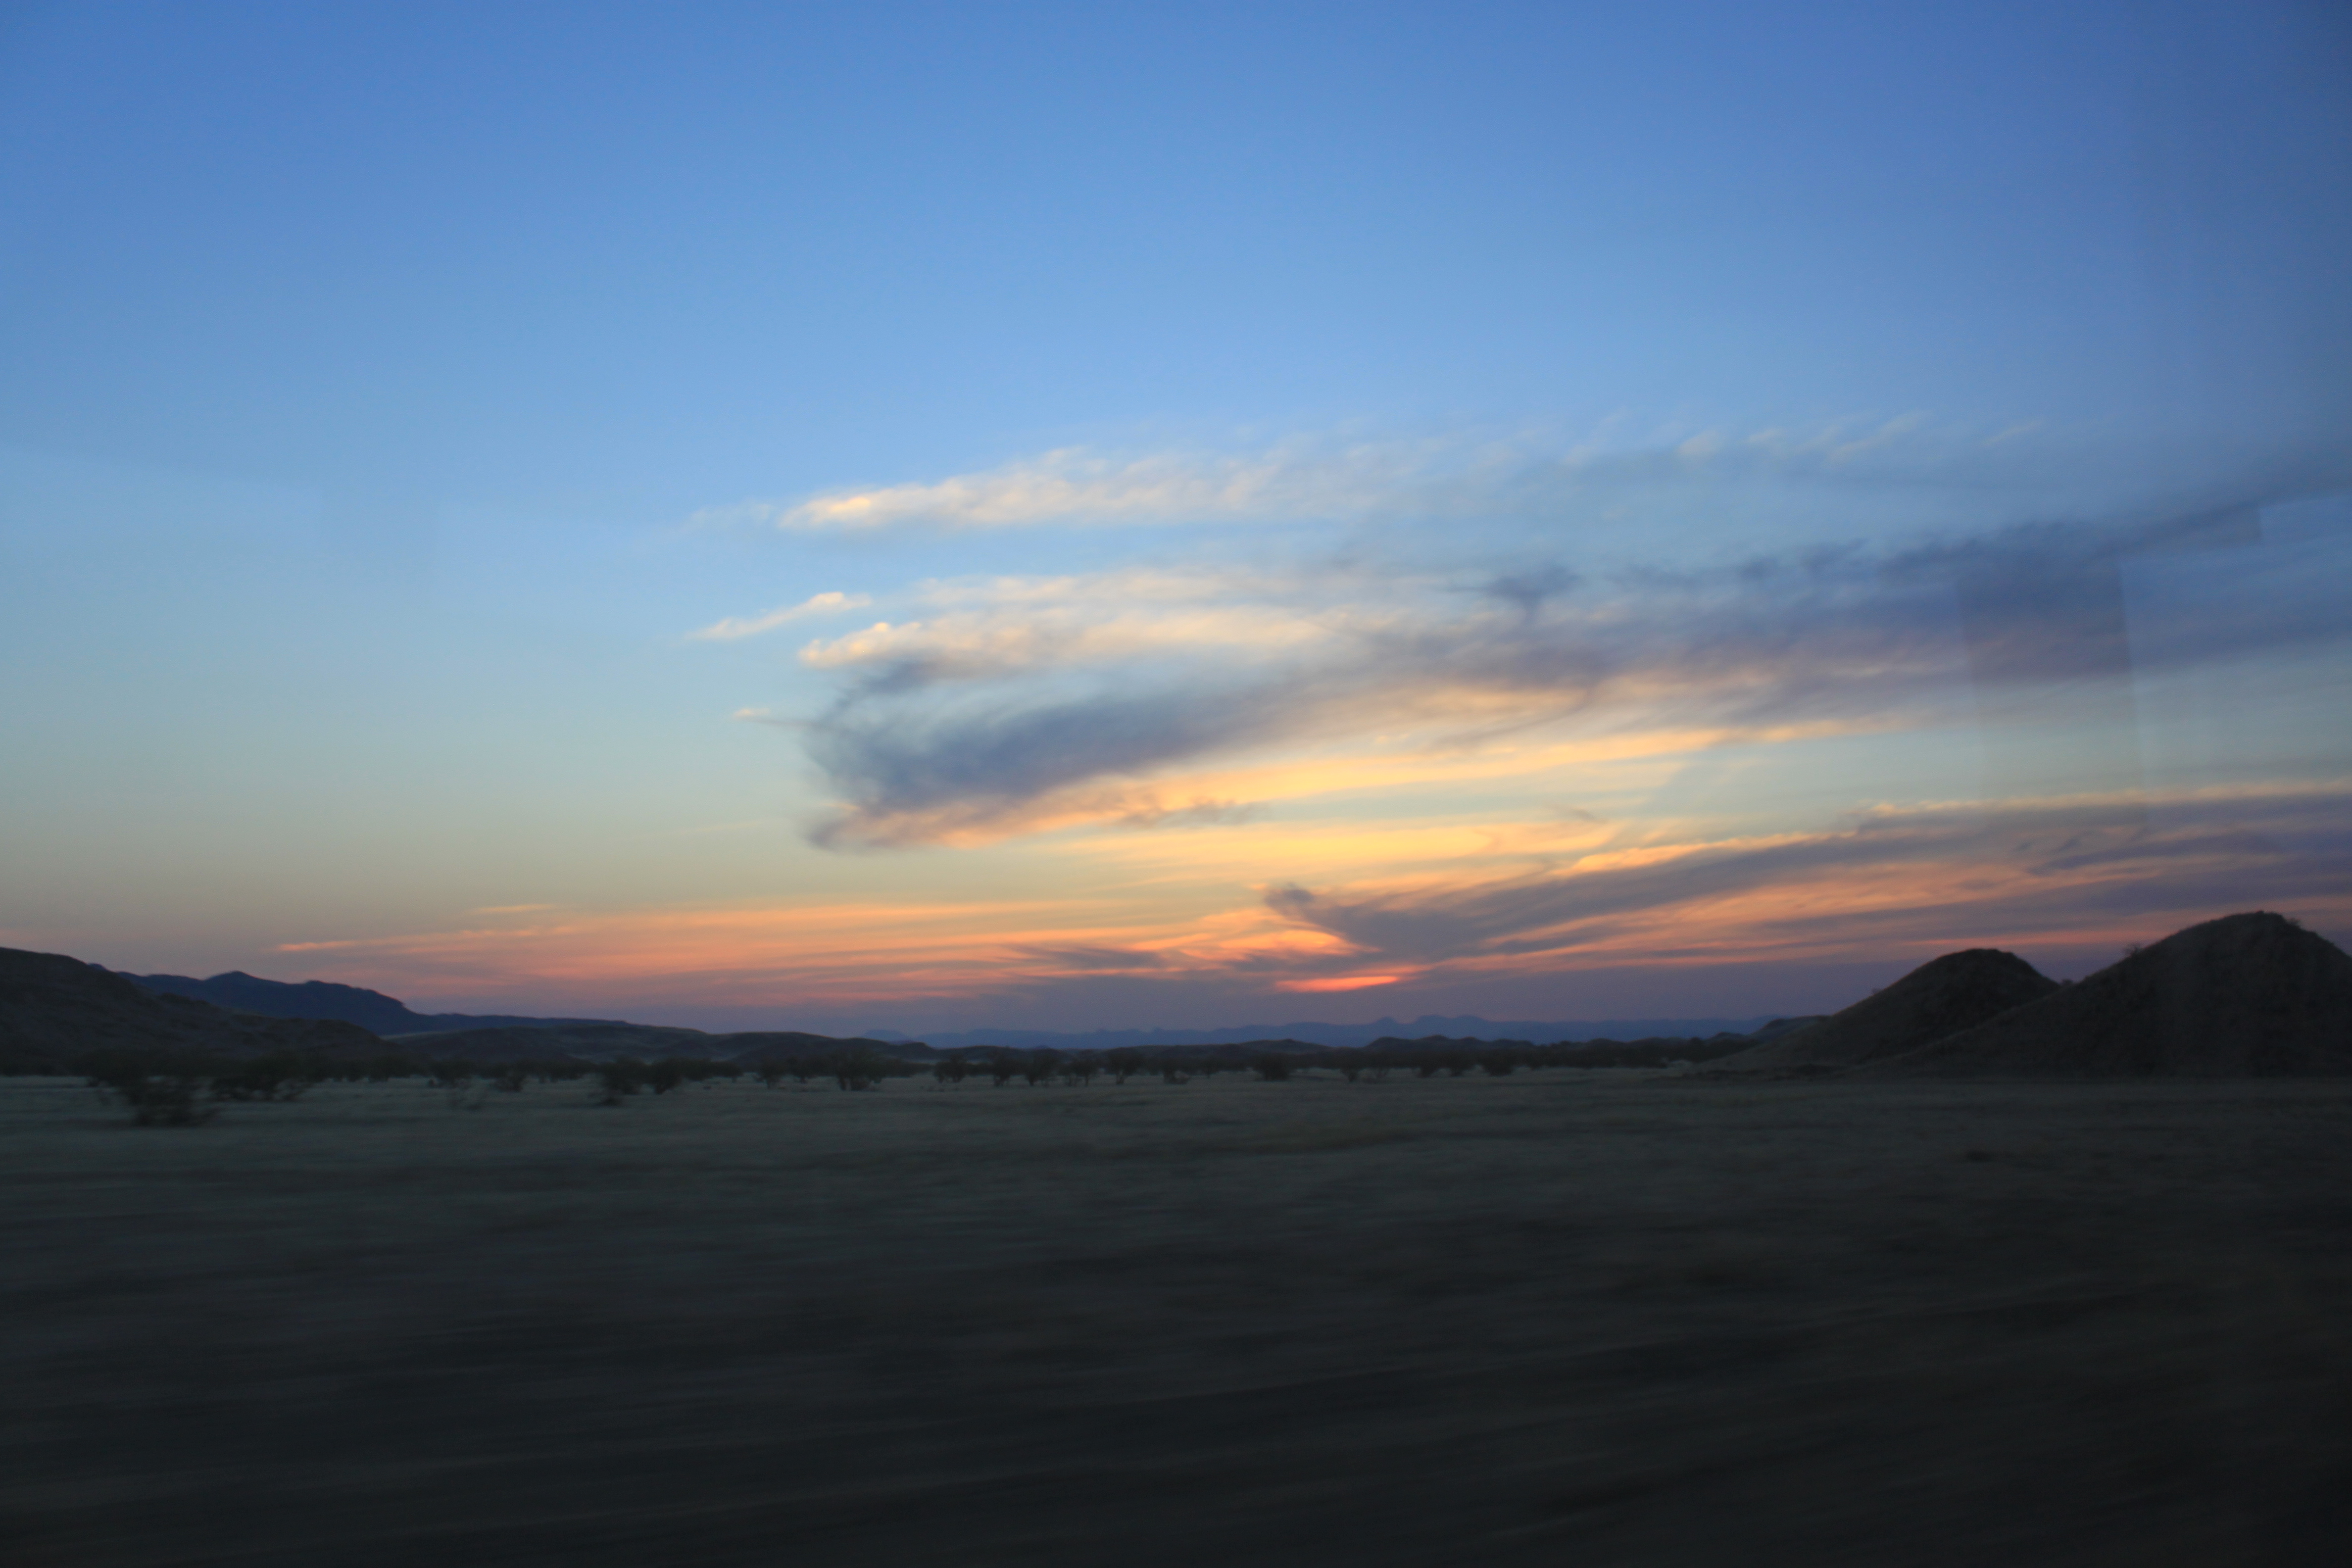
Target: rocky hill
x,y
1942,996
2245,995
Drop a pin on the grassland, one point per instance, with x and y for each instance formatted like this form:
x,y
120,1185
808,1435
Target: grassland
x,y
1596,1318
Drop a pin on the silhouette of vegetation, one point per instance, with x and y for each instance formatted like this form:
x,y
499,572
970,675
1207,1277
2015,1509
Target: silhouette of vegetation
x,y
155,1099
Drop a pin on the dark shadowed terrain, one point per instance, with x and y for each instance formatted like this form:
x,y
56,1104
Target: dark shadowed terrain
x,y
1558,1317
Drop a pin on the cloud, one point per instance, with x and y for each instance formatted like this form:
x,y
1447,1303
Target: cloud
x,y
1527,475
1026,703
1935,872
1076,485
731,628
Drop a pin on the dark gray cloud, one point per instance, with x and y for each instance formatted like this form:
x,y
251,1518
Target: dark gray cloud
x,y
935,740
2066,863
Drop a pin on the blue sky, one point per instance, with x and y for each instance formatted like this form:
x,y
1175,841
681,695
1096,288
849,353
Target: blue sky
x,y
932,516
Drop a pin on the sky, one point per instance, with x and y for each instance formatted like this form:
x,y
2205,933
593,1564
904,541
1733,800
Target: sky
x,y
938,516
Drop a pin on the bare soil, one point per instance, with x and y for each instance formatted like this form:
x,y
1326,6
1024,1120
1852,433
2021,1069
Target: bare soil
x,y
1592,1317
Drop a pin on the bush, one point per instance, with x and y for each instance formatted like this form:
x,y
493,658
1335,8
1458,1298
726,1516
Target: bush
x,y
156,1099
665,1075
1003,1068
266,1077
1174,1071
619,1079
860,1069
1271,1070
951,1069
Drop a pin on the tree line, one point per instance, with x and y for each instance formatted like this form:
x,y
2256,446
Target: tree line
x,y
181,1089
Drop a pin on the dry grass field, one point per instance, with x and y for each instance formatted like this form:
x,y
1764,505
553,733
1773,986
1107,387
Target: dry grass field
x,y
1557,1317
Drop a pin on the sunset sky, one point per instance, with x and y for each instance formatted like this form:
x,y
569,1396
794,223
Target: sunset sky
x,y
1120,515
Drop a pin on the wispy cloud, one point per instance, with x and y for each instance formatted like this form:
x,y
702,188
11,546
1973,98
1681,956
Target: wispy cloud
x,y
1937,874
1528,475
732,628
1014,704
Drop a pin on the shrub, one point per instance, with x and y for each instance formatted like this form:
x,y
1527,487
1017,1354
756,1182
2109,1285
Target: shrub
x,y
1003,1068
1174,1071
156,1099
1079,1072
618,1080
951,1069
1271,1070
266,1077
860,1069
1039,1067
665,1075
1498,1064
511,1078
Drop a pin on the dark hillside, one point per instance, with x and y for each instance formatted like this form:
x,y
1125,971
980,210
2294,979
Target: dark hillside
x,y
242,993
1942,996
54,1010
2246,995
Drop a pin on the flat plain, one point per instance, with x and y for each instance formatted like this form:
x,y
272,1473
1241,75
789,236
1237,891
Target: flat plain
x,y
1602,1318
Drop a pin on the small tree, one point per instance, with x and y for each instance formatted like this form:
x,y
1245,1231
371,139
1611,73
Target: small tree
x,y
1003,1068
860,1069
1173,1071
1079,1072
1039,1067
617,1080
512,1077
665,1075
1271,1069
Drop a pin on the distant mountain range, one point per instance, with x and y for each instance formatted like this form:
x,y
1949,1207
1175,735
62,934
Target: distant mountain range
x,y
371,1010
1458,1025
387,1015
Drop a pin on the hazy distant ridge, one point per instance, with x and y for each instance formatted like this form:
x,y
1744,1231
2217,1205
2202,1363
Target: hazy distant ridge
x,y
1533,1032
371,1010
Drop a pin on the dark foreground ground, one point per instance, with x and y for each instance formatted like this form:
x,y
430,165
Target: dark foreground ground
x,y
1567,1318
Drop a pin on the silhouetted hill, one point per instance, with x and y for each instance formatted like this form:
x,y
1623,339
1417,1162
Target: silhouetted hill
x,y
1942,996
2245,995
55,1010
372,1010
